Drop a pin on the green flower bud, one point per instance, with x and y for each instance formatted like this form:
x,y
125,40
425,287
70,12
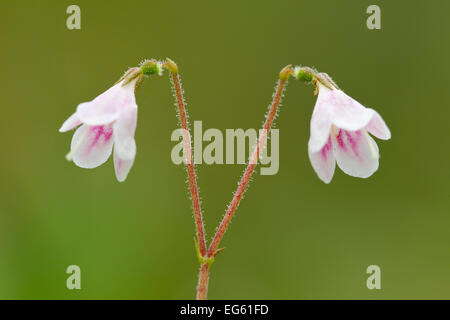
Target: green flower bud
x,y
150,67
304,74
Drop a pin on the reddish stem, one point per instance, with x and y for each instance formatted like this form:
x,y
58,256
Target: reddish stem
x,y
284,76
188,154
207,256
203,279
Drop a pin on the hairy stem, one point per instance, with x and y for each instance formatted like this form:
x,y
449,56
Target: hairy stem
x,y
206,256
203,279
192,178
284,76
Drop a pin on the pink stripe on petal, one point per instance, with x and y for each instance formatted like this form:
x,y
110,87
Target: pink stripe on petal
x,y
353,139
323,161
326,148
91,146
102,135
340,140
359,157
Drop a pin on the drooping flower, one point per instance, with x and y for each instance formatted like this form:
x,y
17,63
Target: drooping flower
x,y
107,121
340,128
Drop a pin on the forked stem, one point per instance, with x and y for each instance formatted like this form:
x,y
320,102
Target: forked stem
x,y
202,288
206,256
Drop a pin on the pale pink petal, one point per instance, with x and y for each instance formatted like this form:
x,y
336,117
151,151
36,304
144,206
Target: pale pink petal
x,y
356,153
346,113
124,129
323,161
91,146
106,107
71,123
122,166
378,127
320,123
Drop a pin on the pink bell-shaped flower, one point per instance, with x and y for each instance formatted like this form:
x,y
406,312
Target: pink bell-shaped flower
x,y
107,121
340,128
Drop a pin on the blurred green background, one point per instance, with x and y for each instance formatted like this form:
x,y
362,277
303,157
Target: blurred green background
x,y
293,237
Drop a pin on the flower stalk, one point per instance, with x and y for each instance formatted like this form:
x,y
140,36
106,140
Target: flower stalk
x,y
206,256
243,184
192,178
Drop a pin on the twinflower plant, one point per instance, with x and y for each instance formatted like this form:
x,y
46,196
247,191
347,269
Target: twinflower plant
x,y
340,128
